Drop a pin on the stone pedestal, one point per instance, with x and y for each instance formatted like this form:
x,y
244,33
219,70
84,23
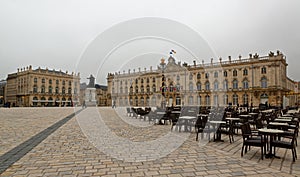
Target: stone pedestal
x,y
90,97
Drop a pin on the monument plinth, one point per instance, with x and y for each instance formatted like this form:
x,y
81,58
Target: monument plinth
x,y
90,93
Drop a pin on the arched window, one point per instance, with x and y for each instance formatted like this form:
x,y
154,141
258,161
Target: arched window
x,y
207,86
35,101
235,84
148,88
126,89
57,82
235,99
50,101
63,82
43,80
234,73
50,81
142,89
142,80
43,101
153,101
199,86
153,79
198,100
136,81
153,88
69,90
245,72
50,89
56,90
136,101
43,89
216,85
225,85
142,101
264,70
245,84
264,83
35,89
147,101
198,76
35,80
206,75
136,89
216,74
70,83
225,73
63,90
148,80
207,100
131,89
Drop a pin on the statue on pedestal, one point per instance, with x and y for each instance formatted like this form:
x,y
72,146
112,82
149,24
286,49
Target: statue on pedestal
x,y
91,82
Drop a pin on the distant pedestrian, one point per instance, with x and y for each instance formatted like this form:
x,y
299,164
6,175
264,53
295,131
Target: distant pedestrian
x,y
114,104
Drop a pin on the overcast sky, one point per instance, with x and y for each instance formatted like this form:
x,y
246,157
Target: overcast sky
x,y
57,33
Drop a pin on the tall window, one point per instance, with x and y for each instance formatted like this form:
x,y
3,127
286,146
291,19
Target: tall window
x,y
191,86
136,89
216,74
57,82
153,79
207,100
198,76
198,100
136,81
216,85
43,89
264,70
216,100
148,80
56,90
207,86
235,99
235,84
178,78
225,99
35,89
153,88
178,87
206,75
264,82
70,83
142,89
245,84
35,80
245,72
234,73
245,99
225,85
199,86
148,88
50,81
69,90
225,73
50,89
142,80
63,90
43,80
64,82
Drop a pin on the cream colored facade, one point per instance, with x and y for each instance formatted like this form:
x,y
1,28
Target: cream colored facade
x,y
42,87
244,81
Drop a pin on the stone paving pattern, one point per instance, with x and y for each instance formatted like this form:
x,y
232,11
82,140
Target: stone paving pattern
x,y
67,152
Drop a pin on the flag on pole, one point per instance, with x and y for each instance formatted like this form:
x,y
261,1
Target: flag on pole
x,y
173,51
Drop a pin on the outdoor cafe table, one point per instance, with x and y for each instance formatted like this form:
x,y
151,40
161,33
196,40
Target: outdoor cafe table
x,y
161,114
282,120
185,120
271,133
218,133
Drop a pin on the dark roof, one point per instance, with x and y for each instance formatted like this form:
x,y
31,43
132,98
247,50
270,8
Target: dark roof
x,y
103,87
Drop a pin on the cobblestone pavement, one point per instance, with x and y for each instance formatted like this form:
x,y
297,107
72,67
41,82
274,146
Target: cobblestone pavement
x,y
72,150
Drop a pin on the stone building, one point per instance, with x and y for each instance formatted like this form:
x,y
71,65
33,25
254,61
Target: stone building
x,y
42,87
238,82
2,92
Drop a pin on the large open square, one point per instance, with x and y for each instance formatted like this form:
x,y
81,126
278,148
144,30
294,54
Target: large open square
x,y
76,147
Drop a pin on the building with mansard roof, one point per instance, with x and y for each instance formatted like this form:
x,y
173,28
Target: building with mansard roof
x,y
42,87
243,81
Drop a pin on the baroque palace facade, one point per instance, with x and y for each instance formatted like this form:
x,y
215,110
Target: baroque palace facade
x,y
240,82
42,87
